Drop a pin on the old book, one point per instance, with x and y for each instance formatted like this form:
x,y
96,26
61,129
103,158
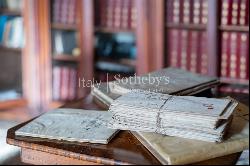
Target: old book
x,y
184,116
71,125
167,81
175,150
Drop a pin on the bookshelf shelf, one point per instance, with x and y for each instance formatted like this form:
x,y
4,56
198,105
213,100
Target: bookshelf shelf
x,y
234,28
234,81
13,103
11,12
187,26
112,30
60,26
122,61
4,48
67,58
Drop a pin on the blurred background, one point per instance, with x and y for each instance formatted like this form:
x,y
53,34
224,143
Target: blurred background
x,y
46,46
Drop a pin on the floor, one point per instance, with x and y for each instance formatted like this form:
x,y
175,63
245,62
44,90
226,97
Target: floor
x,y
10,155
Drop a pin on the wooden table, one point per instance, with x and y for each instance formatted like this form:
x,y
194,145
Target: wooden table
x,y
123,149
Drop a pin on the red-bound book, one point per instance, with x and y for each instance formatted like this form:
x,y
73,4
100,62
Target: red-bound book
x,y
226,13
243,56
133,15
173,47
186,4
71,12
64,11
244,12
204,12
64,83
224,54
177,11
56,13
184,48
72,84
169,11
110,13
102,15
117,13
194,50
204,55
125,14
56,83
233,55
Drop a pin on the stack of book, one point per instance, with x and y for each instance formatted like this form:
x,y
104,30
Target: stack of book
x,y
182,116
11,31
64,83
64,12
117,14
168,81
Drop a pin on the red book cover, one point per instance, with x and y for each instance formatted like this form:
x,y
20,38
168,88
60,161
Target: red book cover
x,y
56,83
233,55
72,12
186,11
204,12
110,13
181,13
56,14
204,55
64,83
63,11
176,11
125,14
131,22
189,49
169,11
72,83
102,18
172,47
118,14
184,49
244,56
194,51
224,54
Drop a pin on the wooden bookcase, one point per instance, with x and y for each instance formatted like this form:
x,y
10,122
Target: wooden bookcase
x,y
12,56
214,30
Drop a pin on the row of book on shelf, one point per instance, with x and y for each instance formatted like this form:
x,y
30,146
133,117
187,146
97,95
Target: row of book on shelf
x,y
235,55
64,11
187,11
119,14
188,50
11,4
64,83
11,31
235,12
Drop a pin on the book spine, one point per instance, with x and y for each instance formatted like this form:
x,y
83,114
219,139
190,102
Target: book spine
x,y
194,51
244,56
177,12
233,54
125,14
173,36
235,12
224,58
244,12
72,84
184,38
109,13
204,12
56,83
170,11
71,12
204,55
132,15
196,12
225,12
186,11
117,13
56,6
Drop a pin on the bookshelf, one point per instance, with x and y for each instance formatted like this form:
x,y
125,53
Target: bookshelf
x,y
219,20
11,44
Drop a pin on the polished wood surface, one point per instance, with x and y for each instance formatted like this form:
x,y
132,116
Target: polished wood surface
x,y
123,149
